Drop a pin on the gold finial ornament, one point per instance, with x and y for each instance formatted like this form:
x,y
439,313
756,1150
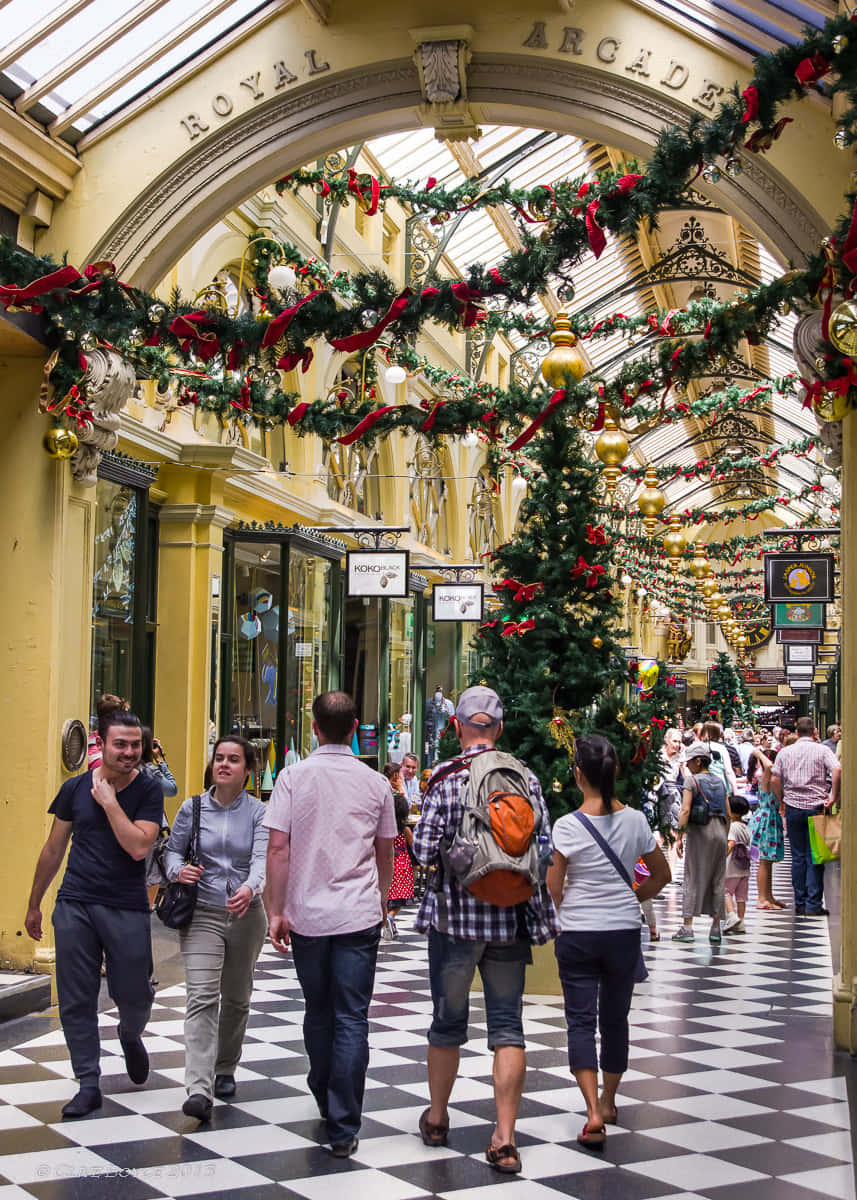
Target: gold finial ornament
x,y
59,442
699,567
562,365
675,542
651,501
708,589
612,450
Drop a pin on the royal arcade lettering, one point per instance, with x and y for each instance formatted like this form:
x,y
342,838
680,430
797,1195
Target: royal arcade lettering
x,y
222,104
643,63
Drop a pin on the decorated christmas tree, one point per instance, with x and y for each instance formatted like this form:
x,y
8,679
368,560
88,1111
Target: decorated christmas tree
x,y
551,652
727,696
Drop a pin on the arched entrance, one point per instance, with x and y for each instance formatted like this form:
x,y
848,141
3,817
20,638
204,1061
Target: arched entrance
x,y
256,148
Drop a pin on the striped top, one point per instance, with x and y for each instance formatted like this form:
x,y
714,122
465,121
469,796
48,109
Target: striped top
x,y
804,768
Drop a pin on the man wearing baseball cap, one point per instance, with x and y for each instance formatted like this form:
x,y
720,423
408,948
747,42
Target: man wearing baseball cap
x,y
465,933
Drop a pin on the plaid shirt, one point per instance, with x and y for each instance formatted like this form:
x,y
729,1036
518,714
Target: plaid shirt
x,y
452,909
804,768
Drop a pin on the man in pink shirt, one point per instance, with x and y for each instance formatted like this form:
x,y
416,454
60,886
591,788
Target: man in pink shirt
x,y
330,864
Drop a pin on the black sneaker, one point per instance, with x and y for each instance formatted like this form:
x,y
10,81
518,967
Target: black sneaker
x,y
817,912
136,1058
87,1100
345,1149
198,1106
224,1087
800,912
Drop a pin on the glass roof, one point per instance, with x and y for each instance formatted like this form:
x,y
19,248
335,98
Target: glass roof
x,y
71,65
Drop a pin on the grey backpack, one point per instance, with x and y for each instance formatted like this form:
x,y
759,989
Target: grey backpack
x,y
495,852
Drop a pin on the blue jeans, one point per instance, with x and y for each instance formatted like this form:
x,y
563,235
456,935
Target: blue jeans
x,y
337,975
596,970
807,876
502,966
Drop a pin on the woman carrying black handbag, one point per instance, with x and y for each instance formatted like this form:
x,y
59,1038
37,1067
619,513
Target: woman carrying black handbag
x,y
226,933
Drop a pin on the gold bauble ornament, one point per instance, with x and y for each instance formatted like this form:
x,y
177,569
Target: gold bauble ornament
x,y
59,442
611,448
675,542
562,365
709,587
651,501
699,568
597,642
843,327
556,786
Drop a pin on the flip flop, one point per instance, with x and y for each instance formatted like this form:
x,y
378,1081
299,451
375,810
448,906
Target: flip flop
x,y
504,1159
766,906
594,1139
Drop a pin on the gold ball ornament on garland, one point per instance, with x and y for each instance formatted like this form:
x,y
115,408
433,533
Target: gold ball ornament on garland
x,y
834,406
675,543
59,442
843,327
597,642
556,786
611,448
651,501
562,365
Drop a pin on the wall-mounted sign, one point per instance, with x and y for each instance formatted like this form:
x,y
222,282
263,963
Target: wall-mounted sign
x,y
763,676
457,601
377,572
800,652
803,616
799,671
303,649
798,577
785,636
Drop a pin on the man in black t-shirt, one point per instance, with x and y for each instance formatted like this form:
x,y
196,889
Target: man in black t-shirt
x,y
112,816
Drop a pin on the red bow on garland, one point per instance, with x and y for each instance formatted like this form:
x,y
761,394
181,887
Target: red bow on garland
x,y
360,341
659,722
192,335
468,298
810,70
357,187
524,592
595,535
593,573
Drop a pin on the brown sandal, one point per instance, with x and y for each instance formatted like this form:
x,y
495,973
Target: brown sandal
x,y
432,1135
505,1159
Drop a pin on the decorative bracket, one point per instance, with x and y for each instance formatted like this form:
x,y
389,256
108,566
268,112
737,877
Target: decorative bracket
x,y
369,537
441,57
458,572
813,537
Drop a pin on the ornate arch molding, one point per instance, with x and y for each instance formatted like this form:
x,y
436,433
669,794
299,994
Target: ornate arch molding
x,y
228,165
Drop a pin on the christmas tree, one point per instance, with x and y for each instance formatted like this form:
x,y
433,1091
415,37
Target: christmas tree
x,y
552,652
727,696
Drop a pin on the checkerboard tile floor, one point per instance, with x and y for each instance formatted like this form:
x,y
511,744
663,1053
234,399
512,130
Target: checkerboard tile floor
x,y
733,1093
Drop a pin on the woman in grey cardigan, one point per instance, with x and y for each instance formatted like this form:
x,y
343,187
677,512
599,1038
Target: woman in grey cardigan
x,y
228,930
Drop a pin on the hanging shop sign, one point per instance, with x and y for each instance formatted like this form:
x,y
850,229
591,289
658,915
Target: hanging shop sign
x,y
377,573
798,577
799,671
763,676
457,601
799,616
800,652
789,636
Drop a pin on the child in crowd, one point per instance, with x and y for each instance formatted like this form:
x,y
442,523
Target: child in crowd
x,y
738,861
402,887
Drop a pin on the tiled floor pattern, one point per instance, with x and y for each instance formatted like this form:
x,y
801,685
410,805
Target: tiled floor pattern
x,y
733,1093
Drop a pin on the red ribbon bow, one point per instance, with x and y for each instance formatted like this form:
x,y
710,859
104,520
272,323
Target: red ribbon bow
x,y
595,535
23,297
750,96
283,320
523,591
659,722
366,424
357,187
520,628
811,69
291,358
468,298
192,335
360,341
593,573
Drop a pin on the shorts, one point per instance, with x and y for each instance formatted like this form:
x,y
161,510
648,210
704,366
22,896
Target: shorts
x,y
736,886
502,966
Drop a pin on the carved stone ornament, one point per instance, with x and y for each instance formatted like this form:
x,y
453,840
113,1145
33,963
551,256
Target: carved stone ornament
x,y
442,69
109,384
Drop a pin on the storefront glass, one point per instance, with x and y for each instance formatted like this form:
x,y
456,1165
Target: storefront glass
x,y
401,675
362,664
309,651
255,652
113,591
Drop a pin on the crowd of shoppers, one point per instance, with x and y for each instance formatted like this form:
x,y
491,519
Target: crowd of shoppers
x,y
326,866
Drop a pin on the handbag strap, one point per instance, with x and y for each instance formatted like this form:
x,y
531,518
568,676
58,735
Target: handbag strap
x,y
192,853
602,843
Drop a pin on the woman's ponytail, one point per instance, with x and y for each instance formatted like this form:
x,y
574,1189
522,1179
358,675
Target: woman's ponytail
x,y
596,758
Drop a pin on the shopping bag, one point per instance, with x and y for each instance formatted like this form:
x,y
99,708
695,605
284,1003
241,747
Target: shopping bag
x,y
825,834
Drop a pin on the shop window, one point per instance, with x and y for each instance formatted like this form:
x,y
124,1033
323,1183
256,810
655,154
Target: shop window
x,y
401,666
309,651
255,676
124,591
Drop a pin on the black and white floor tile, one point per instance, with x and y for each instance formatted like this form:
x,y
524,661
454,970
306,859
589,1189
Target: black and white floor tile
x,y
733,1092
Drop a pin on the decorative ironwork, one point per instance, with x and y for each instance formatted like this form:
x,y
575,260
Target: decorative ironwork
x,y
421,247
459,572
350,479
122,468
383,537
482,517
477,345
526,363
336,163
428,494
806,539
692,256
734,436
274,529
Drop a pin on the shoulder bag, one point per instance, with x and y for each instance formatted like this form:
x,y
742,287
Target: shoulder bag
x,y
176,903
641,971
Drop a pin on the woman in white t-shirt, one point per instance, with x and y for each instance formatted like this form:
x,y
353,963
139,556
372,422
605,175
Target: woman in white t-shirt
x,y
598,948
